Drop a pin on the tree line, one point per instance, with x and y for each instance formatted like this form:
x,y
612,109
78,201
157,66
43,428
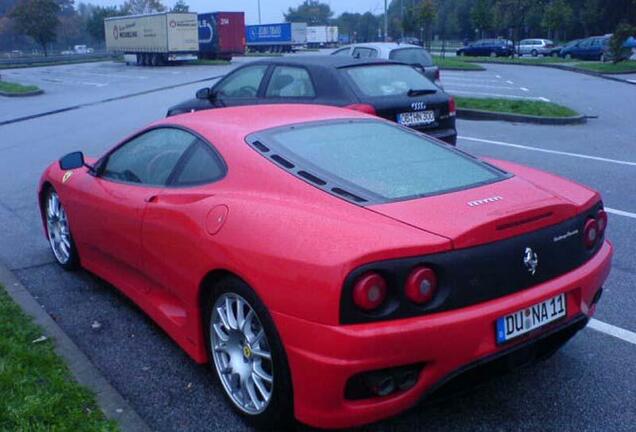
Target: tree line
x,y
475,19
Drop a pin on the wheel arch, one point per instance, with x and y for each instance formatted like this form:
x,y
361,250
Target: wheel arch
x,y
44,189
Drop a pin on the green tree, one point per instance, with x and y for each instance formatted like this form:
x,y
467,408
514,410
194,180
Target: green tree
x,y
426,14
311,12
38,20
620,35
95,23
135,7
180,6
481,16
556,17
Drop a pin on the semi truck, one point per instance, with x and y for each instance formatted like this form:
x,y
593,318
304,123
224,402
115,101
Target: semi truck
x,y
221,34
322,36
279,37
154,39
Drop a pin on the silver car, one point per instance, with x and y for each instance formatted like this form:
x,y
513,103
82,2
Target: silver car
x,y
535,47
414,55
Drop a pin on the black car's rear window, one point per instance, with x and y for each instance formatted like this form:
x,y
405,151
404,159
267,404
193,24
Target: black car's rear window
x,y
412,56
373,159
388,80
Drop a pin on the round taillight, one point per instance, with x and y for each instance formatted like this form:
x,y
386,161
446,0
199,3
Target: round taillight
x,y
590,233
421,285
601,220
369,291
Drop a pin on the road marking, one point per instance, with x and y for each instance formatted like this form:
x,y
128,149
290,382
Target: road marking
x,y
509,82
505,96
620,212
537,149
481,86
611,330
524,89
498,76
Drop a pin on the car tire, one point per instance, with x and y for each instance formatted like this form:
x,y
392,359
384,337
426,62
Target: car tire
x,y
554,54
493,54
603,58
244,346
568,57
58,231
534,53
461,54
154,60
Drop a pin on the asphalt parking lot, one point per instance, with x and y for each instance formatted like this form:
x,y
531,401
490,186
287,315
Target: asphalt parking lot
x,y
590,385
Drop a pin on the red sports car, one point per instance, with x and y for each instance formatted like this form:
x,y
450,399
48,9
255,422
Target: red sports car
x,y
331,266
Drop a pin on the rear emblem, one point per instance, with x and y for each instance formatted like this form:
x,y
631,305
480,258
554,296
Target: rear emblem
x,y
530,260
416,106
482,201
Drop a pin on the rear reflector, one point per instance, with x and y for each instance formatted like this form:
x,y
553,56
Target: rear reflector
x,y
601,220
365,108
590,233
369,291
451,106
421,285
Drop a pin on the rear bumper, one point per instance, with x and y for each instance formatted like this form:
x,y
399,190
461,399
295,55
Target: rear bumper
x,y
449,136
322,358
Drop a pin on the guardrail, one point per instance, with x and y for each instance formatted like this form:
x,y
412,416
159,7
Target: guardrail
x,y
28,60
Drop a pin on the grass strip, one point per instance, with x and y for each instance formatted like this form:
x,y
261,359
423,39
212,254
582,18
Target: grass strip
x,y
627,66
38,392
9,87
512,106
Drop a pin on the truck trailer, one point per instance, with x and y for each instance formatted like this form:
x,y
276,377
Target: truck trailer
x,y
279,37
221,34
154,39
322,36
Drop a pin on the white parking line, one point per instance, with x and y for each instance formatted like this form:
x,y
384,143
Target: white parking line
x,y
509,82
620,212
499,95
611,330
524,89
542,150
481,86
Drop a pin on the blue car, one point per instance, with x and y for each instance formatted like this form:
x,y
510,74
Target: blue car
x,y
592,48
488,47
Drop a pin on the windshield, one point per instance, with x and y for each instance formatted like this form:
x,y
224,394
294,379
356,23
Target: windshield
x,y
376,160
388,80
412,56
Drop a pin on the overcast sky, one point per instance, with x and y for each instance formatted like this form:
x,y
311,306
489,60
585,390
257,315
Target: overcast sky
x,y
271,10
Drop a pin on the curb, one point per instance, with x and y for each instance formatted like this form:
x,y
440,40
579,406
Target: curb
x,y
26,94
472,114
564,68
112,404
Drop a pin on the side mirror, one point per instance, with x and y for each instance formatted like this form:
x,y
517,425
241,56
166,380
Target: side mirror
x,y
204,93
72,161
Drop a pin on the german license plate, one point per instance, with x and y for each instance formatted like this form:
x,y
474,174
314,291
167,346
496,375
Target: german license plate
x,y
416,118
526,320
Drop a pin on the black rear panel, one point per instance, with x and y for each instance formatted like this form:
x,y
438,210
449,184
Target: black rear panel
x,y
474,275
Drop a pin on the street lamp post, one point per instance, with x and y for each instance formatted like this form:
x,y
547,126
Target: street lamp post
x,y
259,11
386,22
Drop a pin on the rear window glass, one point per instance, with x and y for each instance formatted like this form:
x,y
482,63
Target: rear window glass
x,y
388,80
412,56
377,159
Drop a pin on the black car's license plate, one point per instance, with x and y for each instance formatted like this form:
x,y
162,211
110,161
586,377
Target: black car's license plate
x,y
416,118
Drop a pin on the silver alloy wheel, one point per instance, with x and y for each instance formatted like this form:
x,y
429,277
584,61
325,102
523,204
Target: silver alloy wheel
x,y
58,230
241,353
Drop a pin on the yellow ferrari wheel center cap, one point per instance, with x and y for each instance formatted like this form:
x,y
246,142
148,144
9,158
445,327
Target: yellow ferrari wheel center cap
x,y
247,351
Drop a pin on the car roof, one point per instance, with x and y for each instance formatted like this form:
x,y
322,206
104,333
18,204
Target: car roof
x,y
241,121
323,60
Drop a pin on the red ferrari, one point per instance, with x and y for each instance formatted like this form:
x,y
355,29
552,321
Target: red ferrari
x,y
331,266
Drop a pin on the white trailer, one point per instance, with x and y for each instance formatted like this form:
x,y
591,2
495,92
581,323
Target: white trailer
x,y
154,38
322,36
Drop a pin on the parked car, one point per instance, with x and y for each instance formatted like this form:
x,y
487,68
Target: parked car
x,y
410,40
331,266
592,48
488,47
406,53
536,47
392,90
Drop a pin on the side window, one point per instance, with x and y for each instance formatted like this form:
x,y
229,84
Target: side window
x,y
290,82
244,83
341,52
364,53
148,159
585,44
201,166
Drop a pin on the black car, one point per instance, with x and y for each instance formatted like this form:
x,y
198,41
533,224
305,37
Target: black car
x,y
488,47
388,89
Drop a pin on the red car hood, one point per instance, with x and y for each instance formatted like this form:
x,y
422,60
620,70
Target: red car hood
x,y
483,214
